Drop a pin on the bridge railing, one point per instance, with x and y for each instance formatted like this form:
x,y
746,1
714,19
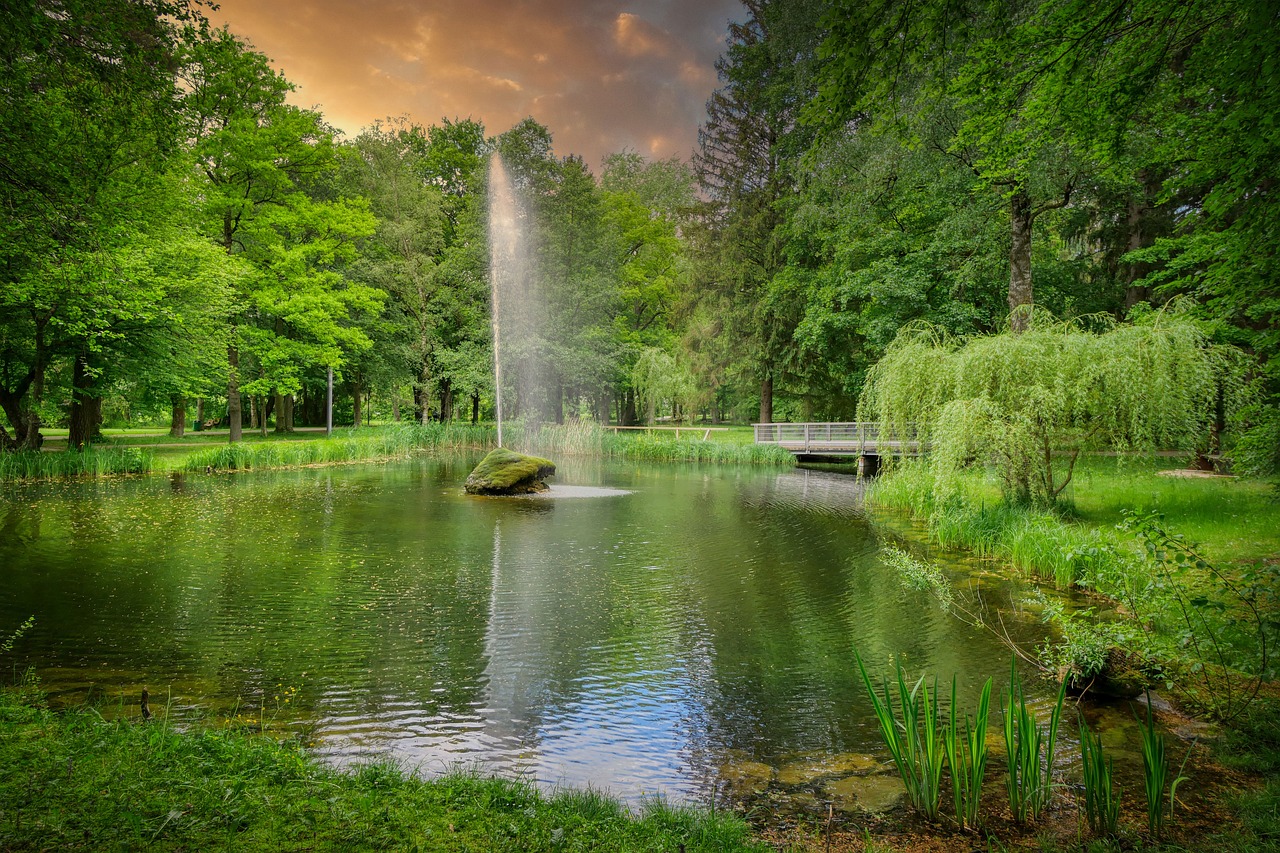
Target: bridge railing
x,y
849,437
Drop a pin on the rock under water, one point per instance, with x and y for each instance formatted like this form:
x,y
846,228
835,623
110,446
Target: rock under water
x,y
505,472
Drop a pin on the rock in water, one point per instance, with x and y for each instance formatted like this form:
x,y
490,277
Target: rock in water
x,y
505,472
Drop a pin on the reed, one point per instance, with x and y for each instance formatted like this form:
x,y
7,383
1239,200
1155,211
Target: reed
x,y
90,462
916,741
1029,753
348,446
1155,773
967,756
1101,800
583,438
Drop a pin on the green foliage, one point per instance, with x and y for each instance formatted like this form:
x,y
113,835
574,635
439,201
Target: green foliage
x,y
126,784
919,575
967,756
1155,773
89,462
1101,802
916,741
354,446
1030,756
1015,401
1221,627
6,644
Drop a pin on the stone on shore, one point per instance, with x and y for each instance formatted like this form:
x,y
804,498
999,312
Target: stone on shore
x,y
505,472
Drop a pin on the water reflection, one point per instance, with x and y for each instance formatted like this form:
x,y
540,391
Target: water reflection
x,y
631,642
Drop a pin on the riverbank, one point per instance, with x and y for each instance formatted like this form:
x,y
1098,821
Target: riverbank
x,y
74,781
204,453
1177,573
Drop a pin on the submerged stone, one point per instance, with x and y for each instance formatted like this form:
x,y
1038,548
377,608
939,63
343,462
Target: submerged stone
x,y
802,772
505,472
868,793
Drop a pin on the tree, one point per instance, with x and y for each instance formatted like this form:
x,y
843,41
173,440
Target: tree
x,y
259,156
1030,403
747,149
87,125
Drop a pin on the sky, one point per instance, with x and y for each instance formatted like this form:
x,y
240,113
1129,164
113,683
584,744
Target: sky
x,y
602,75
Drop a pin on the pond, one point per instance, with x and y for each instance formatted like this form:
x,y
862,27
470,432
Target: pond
x,y
657,631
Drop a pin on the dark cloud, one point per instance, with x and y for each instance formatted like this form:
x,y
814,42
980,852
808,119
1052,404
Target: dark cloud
x,y
603,75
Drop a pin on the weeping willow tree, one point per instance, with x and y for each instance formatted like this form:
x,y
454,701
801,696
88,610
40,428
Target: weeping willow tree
x,y
1030,403
659,378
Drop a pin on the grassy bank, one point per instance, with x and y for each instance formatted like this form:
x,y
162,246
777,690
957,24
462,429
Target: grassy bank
x,y
74,781
91,462
1233,520
208,454
1166,609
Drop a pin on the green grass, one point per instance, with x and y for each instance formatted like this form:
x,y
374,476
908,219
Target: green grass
x,y
354,445
92,462
1235,519
74,781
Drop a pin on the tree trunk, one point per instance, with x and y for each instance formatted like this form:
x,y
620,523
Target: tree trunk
x,y
395,408
85,417
425,399
178,421
253,412
1139,238
265,405
235,415
766,399
199,413
557,404
356,409
1020,297
475,407
281,424
629,416
286,411
446,400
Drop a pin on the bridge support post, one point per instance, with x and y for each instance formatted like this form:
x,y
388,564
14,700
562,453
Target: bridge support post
x,y
868,465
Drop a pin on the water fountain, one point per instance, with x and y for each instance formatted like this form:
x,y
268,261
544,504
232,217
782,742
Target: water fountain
x,y
504,471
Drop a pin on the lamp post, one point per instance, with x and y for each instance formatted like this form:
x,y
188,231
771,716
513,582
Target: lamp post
x,y
328,409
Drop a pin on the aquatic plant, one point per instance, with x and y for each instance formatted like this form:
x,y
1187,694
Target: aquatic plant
x,y
967,756
915,741
1101,801
1155,772
1030,755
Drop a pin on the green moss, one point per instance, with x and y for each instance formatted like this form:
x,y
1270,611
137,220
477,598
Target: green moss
x,y
505,472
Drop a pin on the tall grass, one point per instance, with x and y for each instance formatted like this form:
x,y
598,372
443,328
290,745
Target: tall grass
x,y
348,446
1030,755
967,756
1155,773
915,742
587,439
1037,542
1101,801
550,440
90,462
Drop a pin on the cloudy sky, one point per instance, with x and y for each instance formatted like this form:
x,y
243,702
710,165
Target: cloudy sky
x,y
603,75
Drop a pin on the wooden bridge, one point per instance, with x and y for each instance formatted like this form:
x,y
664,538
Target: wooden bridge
x,y
862,439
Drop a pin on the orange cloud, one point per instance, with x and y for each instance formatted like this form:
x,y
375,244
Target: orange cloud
x,y
602,76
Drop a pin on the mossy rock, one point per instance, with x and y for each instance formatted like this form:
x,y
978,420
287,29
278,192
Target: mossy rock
x,y
505,472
